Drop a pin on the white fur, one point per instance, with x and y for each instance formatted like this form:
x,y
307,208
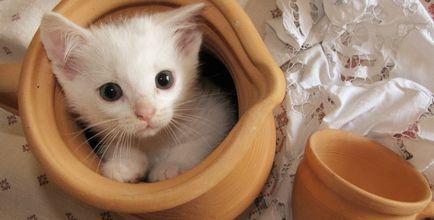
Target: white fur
x,y
190,119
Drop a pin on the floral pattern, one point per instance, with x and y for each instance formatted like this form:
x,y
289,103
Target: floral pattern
x,y
4,185
6,50
42,179
23,182
12,119
70,216
25,147
32,217
16,17
313,102
429,5
276,13
431,10
106,216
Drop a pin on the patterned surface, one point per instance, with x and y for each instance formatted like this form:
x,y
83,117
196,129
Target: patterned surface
x,y
27,193
25,190
345,66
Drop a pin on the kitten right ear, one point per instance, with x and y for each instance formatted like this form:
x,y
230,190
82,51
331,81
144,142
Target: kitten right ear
x,y
183,22
60,37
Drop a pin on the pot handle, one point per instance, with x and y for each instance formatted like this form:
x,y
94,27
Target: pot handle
x,y
9,80
427,213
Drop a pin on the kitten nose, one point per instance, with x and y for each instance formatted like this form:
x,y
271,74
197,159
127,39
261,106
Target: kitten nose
x,y
143,112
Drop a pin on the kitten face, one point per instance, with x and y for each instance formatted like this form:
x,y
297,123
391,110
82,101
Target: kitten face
x,y
125,77
133,65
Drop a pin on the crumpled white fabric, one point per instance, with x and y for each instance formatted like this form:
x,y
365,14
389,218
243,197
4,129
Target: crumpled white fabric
x,y
363,66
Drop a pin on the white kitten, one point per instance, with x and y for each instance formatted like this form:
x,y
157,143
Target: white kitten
x,y
135,81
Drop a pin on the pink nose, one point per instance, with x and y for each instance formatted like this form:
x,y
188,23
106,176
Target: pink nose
x,y
144,113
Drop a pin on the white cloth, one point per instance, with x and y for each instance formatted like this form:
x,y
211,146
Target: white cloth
x,y
363,66
19,21
26,192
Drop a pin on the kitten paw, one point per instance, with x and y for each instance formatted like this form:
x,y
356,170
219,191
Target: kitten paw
x,y
164,171
125,171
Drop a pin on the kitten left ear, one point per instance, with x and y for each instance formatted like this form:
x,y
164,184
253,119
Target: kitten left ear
x,y
60,37
183,22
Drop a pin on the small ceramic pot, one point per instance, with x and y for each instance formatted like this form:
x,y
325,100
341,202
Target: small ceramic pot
x,y
346,176
221,186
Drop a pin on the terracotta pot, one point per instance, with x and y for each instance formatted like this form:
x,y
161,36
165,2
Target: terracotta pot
x,y
220,187
345,176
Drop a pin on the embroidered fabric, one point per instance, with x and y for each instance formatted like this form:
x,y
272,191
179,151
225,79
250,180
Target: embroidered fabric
x,y
363,66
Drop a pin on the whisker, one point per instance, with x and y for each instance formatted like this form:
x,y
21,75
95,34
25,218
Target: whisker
x,y
168,130
107,146
123,145
178,127
89,139
93,153
129,143
116,154
199,135
100,144
192,118
91,126
172,133
86,141
186,127
196,98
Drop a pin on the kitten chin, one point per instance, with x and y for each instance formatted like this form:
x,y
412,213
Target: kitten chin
x,y
141,68
147,132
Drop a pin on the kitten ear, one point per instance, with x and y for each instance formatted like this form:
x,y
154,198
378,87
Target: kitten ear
x,y
183,22
60,37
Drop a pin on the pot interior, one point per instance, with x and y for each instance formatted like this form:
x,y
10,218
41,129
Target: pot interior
x,y
370,167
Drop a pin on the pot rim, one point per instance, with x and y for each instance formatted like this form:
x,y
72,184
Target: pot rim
x,y
354,193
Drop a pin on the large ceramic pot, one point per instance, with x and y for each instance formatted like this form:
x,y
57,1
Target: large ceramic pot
x,y
221,186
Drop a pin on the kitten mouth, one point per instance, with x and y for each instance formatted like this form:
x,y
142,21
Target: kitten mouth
x,y
148,128
147,132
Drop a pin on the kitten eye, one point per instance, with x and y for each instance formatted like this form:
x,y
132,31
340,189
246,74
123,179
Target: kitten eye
x,y
110,92
164,79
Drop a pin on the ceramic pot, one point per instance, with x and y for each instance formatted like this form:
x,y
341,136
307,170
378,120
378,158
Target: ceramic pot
x,y
221,186
346,176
